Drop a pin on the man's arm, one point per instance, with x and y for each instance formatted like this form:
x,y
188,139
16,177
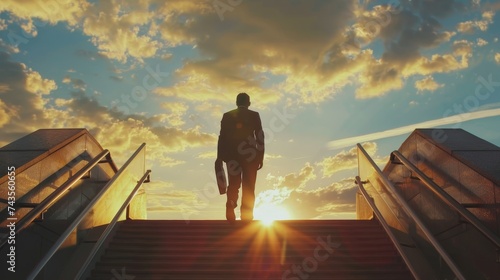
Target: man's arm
x,y
221,143
259,135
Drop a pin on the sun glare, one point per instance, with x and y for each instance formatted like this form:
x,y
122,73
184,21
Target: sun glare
x,y
268,213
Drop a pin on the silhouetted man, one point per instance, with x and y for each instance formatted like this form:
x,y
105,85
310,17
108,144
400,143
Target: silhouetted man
x,y
241,146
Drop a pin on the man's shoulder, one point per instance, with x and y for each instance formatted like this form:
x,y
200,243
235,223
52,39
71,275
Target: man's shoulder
x,y
239,112
254,113
230,113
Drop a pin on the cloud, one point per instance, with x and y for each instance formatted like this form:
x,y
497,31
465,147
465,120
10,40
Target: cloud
x,y
78,84
270,55
295,193
346,142
38,85
462,48
8,47
4,114
337,56
378,80
427,84
345,160
481,42
178,140
162,197
25,107
208,155
116,78
115,28
89,55
123,134
48,11
482,25
323,202
3,24
176,110
22,93
310,56
214,110
405,33
296,181
384,76
495,6
268,156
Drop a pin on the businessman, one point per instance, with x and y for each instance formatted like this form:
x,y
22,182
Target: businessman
x,y
241,147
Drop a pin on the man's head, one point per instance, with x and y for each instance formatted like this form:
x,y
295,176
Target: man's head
x,y
243,100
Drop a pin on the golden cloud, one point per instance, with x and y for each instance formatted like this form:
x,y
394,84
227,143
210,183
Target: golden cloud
x,y
481,42
232,65
312,203
27,98
162,197
378,79
115,28
427,84
296,181
436,64
36,84
345,160
310,55
176,110
482,25
51,11
5,114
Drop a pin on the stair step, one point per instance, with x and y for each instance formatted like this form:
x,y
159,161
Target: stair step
x,y
248,250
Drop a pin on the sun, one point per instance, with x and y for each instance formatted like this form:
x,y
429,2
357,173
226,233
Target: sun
x,y
268,213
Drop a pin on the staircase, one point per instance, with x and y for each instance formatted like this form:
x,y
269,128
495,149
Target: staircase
x,y
312,249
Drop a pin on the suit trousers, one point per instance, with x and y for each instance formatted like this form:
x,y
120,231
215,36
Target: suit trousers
x,y
242,174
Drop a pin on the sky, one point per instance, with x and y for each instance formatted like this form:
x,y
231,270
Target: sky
x,y
324,75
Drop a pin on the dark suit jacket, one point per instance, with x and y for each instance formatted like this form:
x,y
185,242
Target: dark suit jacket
x,y
241,136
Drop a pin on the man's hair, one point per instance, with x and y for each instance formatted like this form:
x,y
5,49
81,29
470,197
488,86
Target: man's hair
x,y
243,99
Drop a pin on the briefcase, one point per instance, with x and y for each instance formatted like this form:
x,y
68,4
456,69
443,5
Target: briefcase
x,y
220,175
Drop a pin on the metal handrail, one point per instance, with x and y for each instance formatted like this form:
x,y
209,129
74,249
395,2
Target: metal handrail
x,y
386,227
449,261
448,199
56,195
41,264
111,225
